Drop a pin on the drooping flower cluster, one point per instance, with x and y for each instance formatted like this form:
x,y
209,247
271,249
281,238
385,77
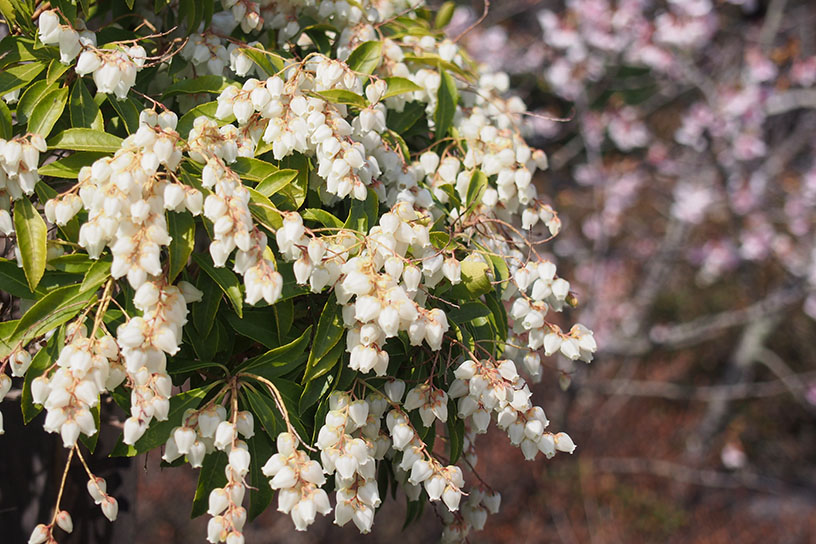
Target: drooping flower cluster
x,y
145,342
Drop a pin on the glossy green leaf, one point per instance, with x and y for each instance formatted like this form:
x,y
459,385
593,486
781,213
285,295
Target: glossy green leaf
x,y
447,98
85,139
69,167
275,182
181,227
476,188
82,107
342,96
31,240
55,71
47,111
445,14
263,210
366,57
6,127
59,306
329,331
261,448
253,169
128,112
321,216
31,97
13,280
226,280
18,76
198,85
400,85
96,275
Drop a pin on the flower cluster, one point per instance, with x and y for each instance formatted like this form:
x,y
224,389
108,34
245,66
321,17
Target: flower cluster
x,y
145,342
298,481
19,158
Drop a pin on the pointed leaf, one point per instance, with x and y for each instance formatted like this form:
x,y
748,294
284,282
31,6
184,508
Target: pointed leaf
x,y
31,240
181,227
47,111
366,57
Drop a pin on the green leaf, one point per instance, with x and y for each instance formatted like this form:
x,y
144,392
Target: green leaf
x,y
281,360
31,97
128,112
85,139
70,166
366,57
261,448
82,107
314,391
263,210
276,182
475,281
447,98
31,240
18,76
476,188
342,96
399,85
159,431
456,434
226,280
321,216
269,63
444,15
47,111
59,306
468,312
198,85
96,275
181,227
55,71
205,309
6,127
402,121
13,280
328,334
210,476
294,194
363,213
253,169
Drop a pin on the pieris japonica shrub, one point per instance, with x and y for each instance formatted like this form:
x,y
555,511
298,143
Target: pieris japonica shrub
x,y
291,240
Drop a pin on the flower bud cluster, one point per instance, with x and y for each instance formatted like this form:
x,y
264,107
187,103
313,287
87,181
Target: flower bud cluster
x,y
479,504
298,481
485,388
126,196
206,53
431,401
246,13
439,482
228,209
86,368
145,341
229,517
69,40
298,122
19,159
353,459
98,490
